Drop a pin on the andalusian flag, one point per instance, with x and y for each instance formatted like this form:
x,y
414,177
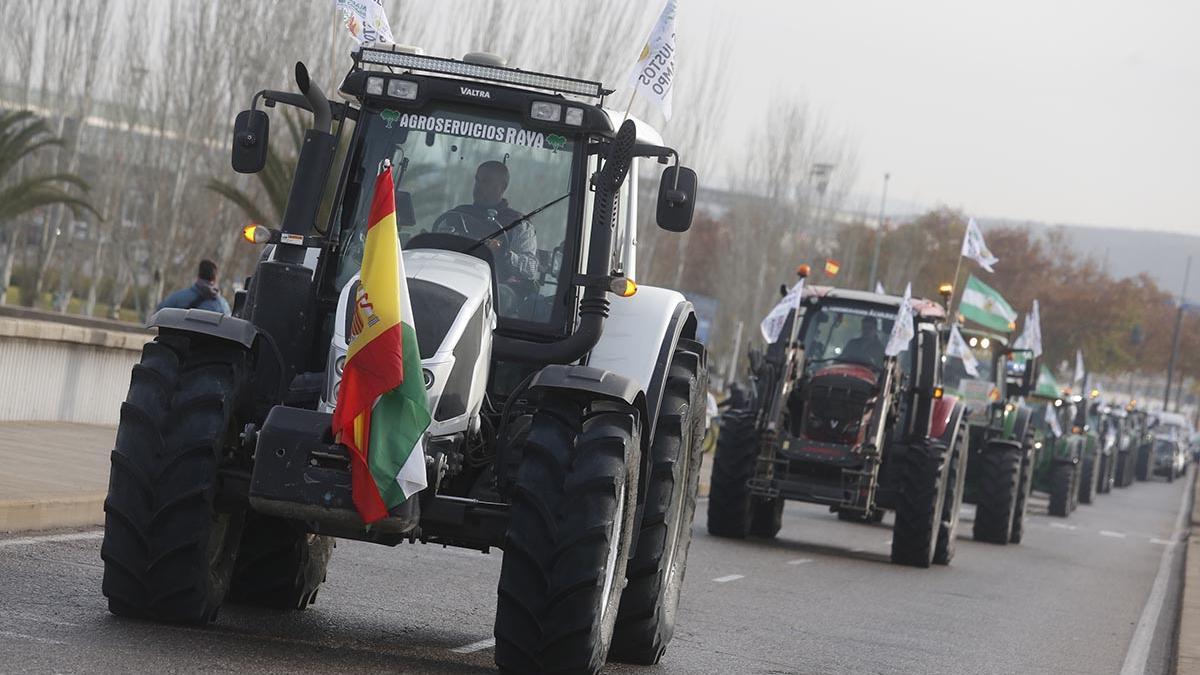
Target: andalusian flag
x,y
382,410
985,306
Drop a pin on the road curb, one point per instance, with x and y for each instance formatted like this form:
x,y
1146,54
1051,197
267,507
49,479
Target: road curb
x,y
26,515
1187,646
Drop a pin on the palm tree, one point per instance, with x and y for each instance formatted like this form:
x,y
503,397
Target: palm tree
x,y
22,134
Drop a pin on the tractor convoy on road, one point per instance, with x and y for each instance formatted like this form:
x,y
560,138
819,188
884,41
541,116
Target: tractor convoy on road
x,y
453,282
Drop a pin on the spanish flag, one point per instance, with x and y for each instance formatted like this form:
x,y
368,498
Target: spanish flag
x,y
382,410
831,267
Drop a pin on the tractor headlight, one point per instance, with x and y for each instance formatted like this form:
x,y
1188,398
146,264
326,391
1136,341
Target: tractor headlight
x,y
339,365
375,86
402,89
574,117
546,111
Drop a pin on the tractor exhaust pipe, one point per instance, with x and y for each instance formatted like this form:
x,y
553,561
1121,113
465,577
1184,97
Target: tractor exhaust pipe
x,y
312,169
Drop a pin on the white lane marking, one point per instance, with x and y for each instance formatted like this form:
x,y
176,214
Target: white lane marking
x,y
1062,526
1143,635
475,646
800,561
31,638
729,577
52,538
1160,542
1110,533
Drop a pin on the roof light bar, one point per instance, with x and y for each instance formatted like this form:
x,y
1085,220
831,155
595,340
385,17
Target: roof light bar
x,y
433,64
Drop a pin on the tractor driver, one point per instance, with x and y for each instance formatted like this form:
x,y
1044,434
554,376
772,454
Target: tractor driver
x,y
867,347
515,250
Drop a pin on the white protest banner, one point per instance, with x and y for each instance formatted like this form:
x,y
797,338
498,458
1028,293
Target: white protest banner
x,y
772,325
973,247
957,347
654,73
366,20
902,330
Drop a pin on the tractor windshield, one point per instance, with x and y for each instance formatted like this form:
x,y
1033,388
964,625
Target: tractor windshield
x,y
976,387
846,334
469,172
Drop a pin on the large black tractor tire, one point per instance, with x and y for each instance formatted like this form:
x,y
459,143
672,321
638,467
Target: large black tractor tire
x,y
947,538
766,517
278,565
1062,489
1087,478
1023,489
1103,485
999,477
569,535
168,552
1124,474
729,504
922,475
1142,465
646,620
1076,479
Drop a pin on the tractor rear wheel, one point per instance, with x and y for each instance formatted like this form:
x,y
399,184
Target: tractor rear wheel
x,y
999,478
646,620
569,536
922,476
1087,478
1103,486
1061,484
279,565
1142,468
168,551
766,517
1023,489
729,504
955,483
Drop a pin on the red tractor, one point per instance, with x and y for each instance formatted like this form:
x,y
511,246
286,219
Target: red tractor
x,y
831,419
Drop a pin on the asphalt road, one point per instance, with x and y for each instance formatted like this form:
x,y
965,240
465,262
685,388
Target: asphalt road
x,y
820,599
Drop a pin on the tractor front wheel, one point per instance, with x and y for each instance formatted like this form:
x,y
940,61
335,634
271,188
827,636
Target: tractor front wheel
x,y
168,551
922,475
729,503
999,478
1061,489
955,483
569,536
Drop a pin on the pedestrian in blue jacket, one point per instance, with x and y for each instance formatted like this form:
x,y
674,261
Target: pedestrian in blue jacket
x,y
204,294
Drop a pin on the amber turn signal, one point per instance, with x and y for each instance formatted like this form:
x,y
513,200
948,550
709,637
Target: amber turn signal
x,y
256,234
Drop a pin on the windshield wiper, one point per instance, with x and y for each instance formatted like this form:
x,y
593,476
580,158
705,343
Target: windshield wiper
x,y
515,222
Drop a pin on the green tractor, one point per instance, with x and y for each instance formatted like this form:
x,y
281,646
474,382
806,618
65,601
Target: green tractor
x,y
1056,469
1002,457
1092,461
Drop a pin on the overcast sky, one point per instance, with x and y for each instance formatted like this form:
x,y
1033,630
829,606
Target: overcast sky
x,y
1063,111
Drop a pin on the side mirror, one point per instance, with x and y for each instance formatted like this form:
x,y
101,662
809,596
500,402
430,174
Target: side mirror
x,y
676,198
251,130
406,216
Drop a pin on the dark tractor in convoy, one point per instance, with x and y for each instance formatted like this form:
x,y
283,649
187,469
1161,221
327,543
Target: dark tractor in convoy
x,y
567,403
1057,471
1000,471
830,419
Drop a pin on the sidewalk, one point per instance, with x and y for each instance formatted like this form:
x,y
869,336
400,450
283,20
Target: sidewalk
x,y
54,474
1188,646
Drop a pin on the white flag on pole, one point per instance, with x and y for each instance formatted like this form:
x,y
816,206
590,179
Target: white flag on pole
x,y
1052,420
957,347
772,325
879,288
366,20
654,74
973,247
902,330
1080,371
1031,333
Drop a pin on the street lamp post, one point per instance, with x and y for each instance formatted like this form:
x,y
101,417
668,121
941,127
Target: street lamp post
x,y
821,172
1175,337
879,233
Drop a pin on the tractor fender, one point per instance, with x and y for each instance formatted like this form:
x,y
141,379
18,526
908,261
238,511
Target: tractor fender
x,y
604,384
204,322
1016,422
639,339
945,410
